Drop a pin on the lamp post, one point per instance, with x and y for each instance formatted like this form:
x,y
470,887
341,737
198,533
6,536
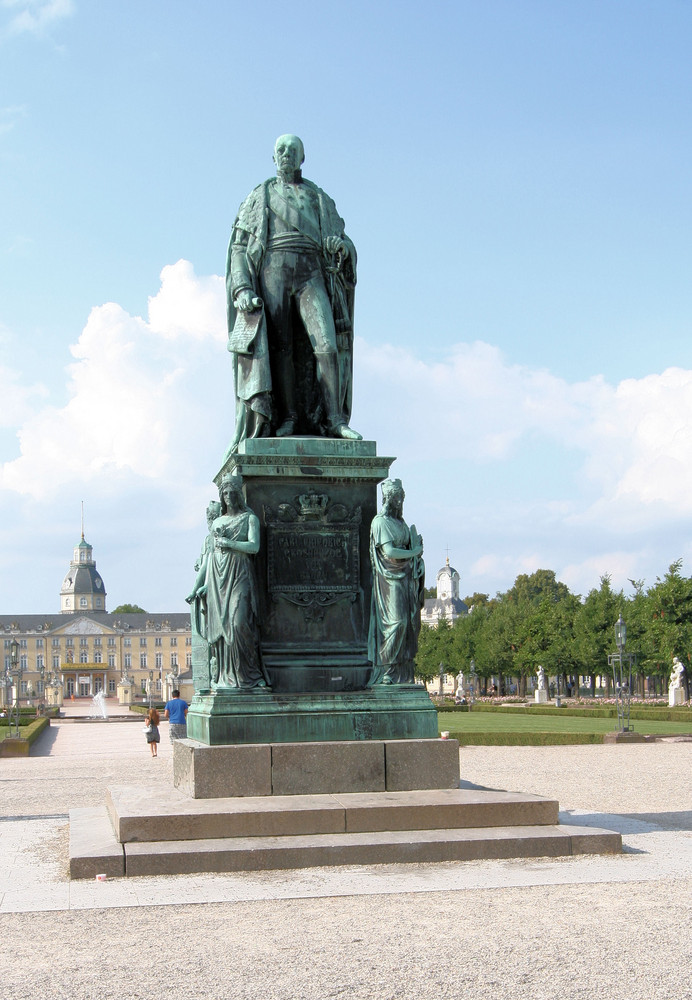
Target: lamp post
x,y
151,686
621,662
472,697
15,667
441,689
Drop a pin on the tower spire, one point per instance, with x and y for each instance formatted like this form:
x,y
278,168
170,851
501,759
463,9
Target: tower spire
x,y
82,520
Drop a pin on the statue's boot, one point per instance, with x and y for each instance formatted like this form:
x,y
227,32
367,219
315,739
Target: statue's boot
x,y
285,392
328,375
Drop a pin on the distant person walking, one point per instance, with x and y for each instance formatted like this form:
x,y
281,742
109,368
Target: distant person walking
x,y
152,731
176,711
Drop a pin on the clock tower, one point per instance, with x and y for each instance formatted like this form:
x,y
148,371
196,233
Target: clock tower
x,y
82,589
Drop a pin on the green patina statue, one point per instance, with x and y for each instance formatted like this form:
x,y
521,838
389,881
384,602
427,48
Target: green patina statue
x,y
224,596
197,599
398,580
290,281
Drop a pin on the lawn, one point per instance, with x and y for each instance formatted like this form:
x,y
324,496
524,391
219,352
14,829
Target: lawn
x,y
546,729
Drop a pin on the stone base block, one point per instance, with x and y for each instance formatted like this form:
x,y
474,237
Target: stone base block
x,y
620,737
541,696
414,764
676,697
317,768
204,772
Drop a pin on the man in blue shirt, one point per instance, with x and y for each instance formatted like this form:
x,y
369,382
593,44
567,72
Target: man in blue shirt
x,y
176,711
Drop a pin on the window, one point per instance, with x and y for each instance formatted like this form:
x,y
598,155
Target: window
x,y
39,644
84,656
97,657
39,687
39,662
23,662
111,686
23,687
158,641
188,640
142,659
97,640
111,640
174,659
111,659
128,659
55,642
83,641
23,643
56,663
142,640
188,659
174,641
159,660
69,641
82,602
127,641
144,686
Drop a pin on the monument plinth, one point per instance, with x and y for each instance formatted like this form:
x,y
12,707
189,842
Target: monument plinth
x,y
315,499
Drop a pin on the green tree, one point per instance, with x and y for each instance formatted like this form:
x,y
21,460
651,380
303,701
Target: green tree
x,y
669,631
594,630
128,609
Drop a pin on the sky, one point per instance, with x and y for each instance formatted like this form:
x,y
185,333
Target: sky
x,y
515,175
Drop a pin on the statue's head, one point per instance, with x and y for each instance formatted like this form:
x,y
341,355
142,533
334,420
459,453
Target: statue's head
x,y
393,493
231,490
214,508
289,154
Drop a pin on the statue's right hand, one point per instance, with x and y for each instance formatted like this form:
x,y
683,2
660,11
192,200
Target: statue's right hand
x,y
247,301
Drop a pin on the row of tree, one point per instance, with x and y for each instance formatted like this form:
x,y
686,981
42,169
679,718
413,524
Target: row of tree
x,y
538,621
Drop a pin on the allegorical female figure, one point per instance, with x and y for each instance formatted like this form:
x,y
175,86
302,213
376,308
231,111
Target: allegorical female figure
x,y
397,590
230,591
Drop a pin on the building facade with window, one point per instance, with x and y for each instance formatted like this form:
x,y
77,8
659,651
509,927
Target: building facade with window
x,y
90,650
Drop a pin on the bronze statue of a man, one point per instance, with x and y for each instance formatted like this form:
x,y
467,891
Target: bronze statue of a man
x,y
290,283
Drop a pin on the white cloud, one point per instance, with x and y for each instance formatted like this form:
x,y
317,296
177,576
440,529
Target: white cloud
x,y
137,393
17,401
35,16
635,438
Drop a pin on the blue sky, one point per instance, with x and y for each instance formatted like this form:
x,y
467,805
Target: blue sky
x,y
515,176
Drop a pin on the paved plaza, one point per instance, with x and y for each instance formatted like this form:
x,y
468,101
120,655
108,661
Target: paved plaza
x,y
589,927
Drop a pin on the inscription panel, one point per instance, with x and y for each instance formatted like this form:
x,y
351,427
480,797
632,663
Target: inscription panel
x,y
310,558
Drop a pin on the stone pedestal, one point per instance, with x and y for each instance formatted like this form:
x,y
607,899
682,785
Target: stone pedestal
x,y
54,695
541,696
205,772
125,696
676,696
315,499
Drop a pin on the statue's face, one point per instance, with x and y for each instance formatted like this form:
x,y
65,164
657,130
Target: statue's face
x,y
231,498
288,153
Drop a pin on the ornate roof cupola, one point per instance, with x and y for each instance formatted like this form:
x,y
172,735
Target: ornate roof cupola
x,y
447,583
82,589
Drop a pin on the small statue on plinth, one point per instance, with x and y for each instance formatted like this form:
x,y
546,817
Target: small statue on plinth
x,y
290,281
398,582
541,693
226,589
676,687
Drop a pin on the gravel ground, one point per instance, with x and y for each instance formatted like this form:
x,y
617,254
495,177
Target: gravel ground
x,y
631,941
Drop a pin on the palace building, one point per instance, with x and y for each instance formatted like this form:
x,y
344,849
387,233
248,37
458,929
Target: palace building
x,y
83,649
447,604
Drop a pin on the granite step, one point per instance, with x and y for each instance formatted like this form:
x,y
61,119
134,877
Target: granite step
x,y
136,817
367,848
94,848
